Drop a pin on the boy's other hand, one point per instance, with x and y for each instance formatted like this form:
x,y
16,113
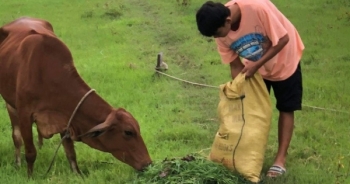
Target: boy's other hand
x,y
250,68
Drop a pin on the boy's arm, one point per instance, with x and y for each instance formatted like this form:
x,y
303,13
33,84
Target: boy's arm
x,y
229,57
236,67
251,68
275,31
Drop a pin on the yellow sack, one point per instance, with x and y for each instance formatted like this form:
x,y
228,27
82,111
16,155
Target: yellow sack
x,y
245,117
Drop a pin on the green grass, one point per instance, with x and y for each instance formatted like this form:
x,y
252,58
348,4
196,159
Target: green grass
x,y
115,44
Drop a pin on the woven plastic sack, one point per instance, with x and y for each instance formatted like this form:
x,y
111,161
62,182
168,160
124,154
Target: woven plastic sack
x,y
245,116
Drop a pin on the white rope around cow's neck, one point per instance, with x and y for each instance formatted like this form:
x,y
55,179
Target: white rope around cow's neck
x,y
75,110
68,125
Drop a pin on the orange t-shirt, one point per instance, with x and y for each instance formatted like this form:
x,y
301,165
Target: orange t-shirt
x,y
261,26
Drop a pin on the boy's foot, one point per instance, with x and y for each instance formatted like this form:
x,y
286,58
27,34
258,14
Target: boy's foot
x,y
275,171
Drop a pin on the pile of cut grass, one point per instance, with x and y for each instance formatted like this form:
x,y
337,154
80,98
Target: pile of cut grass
x,y
193,168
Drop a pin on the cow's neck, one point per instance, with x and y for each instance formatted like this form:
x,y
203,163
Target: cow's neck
x,y
93,111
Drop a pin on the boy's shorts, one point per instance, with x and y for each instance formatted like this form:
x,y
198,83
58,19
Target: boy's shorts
x,y
289,92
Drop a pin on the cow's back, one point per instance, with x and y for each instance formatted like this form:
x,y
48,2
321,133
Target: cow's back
x,y
11,37
31,57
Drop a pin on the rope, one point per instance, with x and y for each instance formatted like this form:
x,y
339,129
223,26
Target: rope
x,y
205,85
67,132
198,84
325,109
240,135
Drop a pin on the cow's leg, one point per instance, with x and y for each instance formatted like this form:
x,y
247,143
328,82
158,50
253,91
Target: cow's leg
x,y
16,133
68,145
27,134
40,138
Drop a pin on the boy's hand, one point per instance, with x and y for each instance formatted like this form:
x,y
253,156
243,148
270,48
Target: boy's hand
x,y
250,69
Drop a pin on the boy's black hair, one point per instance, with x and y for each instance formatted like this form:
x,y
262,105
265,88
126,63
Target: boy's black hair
x,y
210,17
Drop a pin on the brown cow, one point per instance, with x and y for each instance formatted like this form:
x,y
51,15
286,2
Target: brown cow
x,y
41,85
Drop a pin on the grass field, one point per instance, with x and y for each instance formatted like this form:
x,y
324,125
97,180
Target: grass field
x,y
115,43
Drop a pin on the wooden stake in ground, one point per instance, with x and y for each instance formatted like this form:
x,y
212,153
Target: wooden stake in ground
x,y
161,66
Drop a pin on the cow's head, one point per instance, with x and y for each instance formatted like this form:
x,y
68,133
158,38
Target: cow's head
x,y
120,136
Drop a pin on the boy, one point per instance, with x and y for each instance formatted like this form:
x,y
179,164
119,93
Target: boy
x,y
258,32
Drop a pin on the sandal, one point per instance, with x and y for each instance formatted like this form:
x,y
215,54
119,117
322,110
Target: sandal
x,y
275,171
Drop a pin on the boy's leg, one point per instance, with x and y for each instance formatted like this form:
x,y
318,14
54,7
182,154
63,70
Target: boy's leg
x,y
285,132
288,94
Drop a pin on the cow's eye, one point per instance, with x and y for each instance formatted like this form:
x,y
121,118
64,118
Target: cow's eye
x,y
129,133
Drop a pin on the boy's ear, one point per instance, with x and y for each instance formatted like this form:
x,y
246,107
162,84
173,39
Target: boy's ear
x,y
228,20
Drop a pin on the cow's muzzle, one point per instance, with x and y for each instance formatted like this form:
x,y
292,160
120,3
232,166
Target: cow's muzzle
x,y
144,168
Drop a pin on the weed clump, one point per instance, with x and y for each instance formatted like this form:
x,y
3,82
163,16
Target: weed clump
x,y
112,14
194,169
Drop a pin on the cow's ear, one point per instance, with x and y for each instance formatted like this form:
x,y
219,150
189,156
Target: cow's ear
x,y
97,130
3,34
